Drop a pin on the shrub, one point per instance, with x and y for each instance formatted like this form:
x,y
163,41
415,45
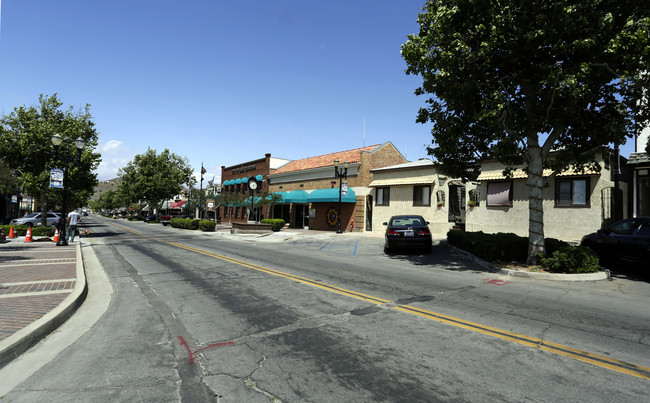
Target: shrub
x,y
277,223
207,225
21,230
184,223
505,247
572,259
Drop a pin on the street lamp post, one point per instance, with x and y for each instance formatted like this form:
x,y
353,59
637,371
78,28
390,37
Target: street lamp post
x,y
340,174
79,143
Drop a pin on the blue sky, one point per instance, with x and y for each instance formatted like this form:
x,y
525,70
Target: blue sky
x,y
220,82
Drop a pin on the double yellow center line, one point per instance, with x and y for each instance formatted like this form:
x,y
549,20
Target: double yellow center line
x,y
576,354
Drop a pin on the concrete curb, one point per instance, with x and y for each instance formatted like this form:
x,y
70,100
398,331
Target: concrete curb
x,y
22,340
601,275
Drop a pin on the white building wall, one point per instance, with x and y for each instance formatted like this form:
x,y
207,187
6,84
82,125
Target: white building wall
x,y
565,223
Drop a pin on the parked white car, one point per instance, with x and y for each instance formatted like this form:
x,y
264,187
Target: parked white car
x,y
34,219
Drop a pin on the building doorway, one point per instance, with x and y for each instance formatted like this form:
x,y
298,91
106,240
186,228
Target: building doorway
x,y
300,215
457,202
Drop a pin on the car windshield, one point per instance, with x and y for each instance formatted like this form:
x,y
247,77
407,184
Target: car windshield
x,y
33,215
400,221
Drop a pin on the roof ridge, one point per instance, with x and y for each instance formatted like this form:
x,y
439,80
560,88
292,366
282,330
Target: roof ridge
x,y
340,152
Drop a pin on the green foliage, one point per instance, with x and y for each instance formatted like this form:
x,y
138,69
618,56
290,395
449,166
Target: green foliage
x,y
500,73
9,182
572,259
504,247
152,178
277,223
207,225
513,80
26,147
21,230
184,223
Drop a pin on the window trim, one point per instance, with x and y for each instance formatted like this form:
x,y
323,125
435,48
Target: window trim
x,y
419,203
385,199
571,180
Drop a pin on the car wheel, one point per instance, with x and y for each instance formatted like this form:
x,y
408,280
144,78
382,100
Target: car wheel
x,y
428,249
387,248
29,224
165,224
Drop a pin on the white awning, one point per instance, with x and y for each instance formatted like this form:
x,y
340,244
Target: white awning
x,y
414,180
519,174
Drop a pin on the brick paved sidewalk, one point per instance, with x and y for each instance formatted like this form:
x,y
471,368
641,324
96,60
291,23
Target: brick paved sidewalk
x,y
35,278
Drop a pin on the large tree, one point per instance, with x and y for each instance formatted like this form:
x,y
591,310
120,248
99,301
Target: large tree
x,y
513,80
152,178
26,146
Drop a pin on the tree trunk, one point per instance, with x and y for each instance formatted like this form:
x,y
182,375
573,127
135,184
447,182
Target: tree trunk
x,y
535,185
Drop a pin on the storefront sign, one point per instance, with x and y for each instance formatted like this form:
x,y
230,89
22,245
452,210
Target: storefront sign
x,y
210,204
243,169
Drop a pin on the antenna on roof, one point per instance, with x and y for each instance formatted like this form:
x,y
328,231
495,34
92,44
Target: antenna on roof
x,y
364,131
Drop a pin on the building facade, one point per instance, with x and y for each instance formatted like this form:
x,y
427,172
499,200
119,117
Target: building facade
x,y
234,179
310,189
575,203
418,188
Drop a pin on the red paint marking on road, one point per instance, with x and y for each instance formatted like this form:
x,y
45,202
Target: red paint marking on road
x,y
193,354
496,282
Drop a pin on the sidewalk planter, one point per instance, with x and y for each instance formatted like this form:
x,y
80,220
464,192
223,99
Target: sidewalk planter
x,y
250,228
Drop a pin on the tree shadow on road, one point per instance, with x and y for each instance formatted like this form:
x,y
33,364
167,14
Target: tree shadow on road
x,y
442,256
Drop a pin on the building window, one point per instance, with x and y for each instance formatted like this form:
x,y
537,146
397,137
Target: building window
x,y
572,192
383,196
421,195
499,194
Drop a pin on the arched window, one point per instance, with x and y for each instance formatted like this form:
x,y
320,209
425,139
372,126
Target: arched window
x,y
473,198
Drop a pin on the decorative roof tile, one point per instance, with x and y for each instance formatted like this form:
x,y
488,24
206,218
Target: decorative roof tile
x,y
325,160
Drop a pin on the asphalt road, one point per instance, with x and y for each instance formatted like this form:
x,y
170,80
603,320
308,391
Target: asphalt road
x,y
200,317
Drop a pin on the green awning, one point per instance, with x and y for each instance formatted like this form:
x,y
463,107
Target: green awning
x,y
331,195
296,196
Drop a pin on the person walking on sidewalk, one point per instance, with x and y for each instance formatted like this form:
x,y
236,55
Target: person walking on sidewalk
x,y
73,219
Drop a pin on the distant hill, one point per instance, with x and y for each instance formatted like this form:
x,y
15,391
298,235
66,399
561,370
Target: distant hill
x,y
104,186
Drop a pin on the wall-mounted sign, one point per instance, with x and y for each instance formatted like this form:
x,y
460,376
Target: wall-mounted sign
x,y
56,178
210,203
244,169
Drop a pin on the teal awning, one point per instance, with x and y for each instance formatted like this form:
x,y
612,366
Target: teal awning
x,y
296,196
331,195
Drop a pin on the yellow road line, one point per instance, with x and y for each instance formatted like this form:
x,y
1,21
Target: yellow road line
x,y
576,354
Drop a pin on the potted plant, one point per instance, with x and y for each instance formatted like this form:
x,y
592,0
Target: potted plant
x,y
440,204
471,203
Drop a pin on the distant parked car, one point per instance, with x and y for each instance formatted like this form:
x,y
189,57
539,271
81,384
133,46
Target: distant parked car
x,y
34,219
624,244
407,231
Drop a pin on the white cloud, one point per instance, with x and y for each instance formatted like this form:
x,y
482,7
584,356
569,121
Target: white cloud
x,y
114,156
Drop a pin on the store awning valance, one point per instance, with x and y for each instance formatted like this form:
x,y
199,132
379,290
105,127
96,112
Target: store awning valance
x,y
295,196
178,204
331,195
520,174
413,180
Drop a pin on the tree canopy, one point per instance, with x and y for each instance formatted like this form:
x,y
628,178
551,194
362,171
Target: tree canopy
x,y
26,147
513,80
152,178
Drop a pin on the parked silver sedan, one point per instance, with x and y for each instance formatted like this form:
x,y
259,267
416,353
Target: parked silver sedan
x,y
34,219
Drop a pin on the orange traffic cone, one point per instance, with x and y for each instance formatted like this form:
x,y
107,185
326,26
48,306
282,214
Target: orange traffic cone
x,y
28,237
56,236
11,232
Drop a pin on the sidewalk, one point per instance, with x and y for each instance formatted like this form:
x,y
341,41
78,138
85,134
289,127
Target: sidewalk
x,y
41,285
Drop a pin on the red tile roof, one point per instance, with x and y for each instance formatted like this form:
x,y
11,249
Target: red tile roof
x,y
325,160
